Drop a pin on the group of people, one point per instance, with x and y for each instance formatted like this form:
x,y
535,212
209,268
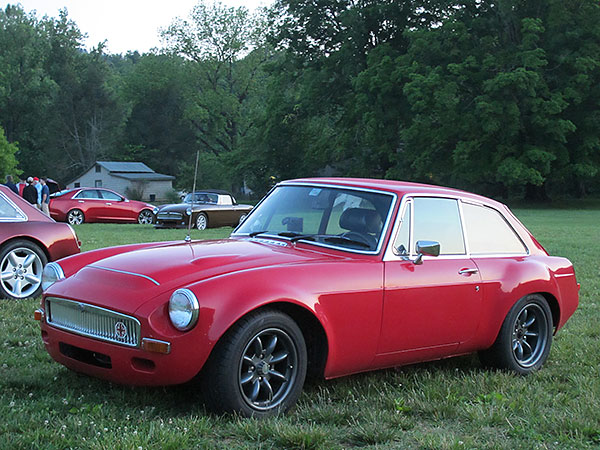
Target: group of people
x,y
35,190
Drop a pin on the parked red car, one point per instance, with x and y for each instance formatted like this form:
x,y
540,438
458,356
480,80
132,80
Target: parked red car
x,y
80,205
28,240
327,276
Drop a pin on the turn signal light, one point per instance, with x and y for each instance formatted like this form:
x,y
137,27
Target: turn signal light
x,y
38,315
156,346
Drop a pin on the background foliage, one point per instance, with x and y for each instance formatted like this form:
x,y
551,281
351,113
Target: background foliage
x,y
498,97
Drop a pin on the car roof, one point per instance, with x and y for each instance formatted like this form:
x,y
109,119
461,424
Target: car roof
x,y
400,188
212,191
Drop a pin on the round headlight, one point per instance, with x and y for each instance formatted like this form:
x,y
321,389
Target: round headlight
x,y
188,211
51,274
183,309
155,211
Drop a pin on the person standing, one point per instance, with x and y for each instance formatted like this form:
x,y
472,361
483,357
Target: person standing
x,y
45,196
38,188
9,184
30,192
21,185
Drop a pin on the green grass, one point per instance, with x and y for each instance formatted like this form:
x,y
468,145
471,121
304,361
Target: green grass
x,y
451,404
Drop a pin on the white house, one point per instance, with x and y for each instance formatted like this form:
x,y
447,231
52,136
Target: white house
x,y
132,179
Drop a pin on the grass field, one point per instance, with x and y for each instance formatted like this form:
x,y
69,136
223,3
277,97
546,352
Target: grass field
x,y
452,404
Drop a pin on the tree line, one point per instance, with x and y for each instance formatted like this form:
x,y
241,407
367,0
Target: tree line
x,y
499,97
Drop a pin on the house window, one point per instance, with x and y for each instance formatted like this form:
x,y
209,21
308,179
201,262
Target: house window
x,y
98,168
98,183
152,197
77,185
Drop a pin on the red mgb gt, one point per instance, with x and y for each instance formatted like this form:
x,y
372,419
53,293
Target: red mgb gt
x,y
325,276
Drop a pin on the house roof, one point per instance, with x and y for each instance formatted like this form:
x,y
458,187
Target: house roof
x,y
152,176
127,167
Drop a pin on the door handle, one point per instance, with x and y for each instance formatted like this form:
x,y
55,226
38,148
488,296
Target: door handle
x,y
468,271
81,201
109,204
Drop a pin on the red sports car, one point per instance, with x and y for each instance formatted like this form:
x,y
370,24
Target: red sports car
x,y
326,276
76,206
28,240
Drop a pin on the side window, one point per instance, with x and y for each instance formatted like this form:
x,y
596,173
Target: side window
x,y
489,233
438,219
107,195
87,194
9,211
402,244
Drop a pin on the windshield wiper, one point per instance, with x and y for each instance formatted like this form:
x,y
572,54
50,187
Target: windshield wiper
x,y
345,240
256,233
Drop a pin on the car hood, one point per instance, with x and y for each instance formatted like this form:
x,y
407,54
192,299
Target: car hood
x,y
175,207
127,280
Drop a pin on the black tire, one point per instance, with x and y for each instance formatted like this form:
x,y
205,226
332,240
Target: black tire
x,y
258,367
524,341
75,217
26,261
145,217
201,221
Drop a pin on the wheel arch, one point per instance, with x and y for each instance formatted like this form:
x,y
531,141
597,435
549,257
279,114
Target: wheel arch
x,y
554,307
31,239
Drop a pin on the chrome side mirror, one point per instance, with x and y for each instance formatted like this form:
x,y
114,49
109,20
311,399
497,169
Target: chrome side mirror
x,y
426,248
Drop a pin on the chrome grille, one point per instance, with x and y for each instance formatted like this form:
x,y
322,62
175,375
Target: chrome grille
x,y
169,216
93,321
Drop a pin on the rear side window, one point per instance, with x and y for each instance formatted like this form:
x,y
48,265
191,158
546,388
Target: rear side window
x,y
88,193
438,219
107,195
9,211
489,233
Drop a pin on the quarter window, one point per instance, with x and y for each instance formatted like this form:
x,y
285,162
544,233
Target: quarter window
x,y
438,219
107,195
9,211
402,244
489,233
88,193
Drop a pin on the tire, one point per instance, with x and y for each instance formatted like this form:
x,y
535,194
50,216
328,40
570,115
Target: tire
x,y
201,221
21,266
258,368
75,217
524,341
145,217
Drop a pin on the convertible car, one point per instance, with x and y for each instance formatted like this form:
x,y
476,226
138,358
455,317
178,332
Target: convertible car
x,y
328,277
208,209
28,240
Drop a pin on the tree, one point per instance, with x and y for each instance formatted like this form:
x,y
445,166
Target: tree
x,y
8,161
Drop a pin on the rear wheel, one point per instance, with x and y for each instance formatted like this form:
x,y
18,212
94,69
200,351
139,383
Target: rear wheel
x,y
145,217
75,217
258,368
524,341
21,266
201,221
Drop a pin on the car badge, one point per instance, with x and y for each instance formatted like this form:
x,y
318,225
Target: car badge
x,y
81,307
120,330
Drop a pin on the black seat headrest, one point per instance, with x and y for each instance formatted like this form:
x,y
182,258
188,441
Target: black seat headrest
x,y
361,220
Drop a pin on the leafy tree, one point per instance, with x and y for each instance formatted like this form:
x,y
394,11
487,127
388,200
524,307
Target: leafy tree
x,y
8,161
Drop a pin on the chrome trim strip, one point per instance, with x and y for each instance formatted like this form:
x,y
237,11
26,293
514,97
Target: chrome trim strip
x,y
125,272
97,323
384,230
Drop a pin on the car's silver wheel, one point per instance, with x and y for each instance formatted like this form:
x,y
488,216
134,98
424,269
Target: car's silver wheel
x,y
242,217
21,266
201,221
145,217
75,217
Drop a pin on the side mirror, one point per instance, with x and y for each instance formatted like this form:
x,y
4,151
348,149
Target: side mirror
x,y
426,248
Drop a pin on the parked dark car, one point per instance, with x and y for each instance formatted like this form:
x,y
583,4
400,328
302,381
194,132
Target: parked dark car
x,y
28,240
209,209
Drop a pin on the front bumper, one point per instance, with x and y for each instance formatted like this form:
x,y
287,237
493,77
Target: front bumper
x,y
121,364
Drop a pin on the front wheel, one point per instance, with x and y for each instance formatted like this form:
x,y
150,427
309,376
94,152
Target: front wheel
x,y
75,217
145,217
258,368
524,341
21,266
201,221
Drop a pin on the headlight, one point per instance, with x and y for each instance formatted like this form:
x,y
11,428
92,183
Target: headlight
x,y
51,274
188,211
155,211
183,309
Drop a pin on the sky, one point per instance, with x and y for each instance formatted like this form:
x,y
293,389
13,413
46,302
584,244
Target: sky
x,y
124,24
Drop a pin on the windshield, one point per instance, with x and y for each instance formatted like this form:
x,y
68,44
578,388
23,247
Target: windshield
x,y
335,217
201,197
